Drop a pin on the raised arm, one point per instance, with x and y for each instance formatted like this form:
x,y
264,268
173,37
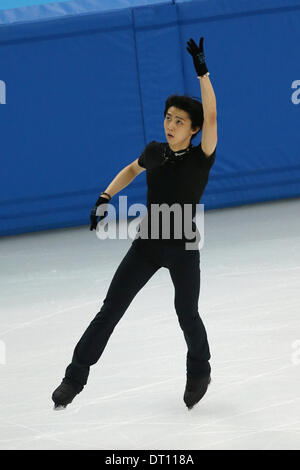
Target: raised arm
x,y
209,129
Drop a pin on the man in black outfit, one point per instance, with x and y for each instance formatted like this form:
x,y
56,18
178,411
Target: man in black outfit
x,y
177,173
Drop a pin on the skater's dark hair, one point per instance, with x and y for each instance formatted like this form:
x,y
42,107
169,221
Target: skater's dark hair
x,y
191,105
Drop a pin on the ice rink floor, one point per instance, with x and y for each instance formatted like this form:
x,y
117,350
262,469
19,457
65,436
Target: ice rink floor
x,y
53,284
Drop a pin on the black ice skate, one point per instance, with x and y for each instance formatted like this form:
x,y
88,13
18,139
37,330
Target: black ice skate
x,y
65,393
195,389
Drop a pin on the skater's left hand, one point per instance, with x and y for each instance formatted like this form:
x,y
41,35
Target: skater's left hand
x,y
198,56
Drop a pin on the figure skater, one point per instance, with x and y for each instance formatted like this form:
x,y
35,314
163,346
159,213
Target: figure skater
x,y
177,173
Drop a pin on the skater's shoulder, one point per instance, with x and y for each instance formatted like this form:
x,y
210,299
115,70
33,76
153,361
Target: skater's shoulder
x,y
155,144
199,149
153,147
204,159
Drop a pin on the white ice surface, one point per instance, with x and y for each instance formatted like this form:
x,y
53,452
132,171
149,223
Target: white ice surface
x,y
53,284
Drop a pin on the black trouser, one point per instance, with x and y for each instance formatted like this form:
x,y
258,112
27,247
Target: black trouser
x,y
142,260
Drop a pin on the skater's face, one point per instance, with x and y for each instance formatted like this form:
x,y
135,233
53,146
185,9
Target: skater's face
x,y
178,128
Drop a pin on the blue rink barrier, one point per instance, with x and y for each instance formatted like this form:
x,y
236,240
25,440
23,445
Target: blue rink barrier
x,y
12,4
83,87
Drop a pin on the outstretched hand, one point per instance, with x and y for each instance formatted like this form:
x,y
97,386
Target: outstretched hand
x,y
197,53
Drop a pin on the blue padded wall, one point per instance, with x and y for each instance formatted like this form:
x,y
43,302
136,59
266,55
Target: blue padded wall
x,y
9,4
84,93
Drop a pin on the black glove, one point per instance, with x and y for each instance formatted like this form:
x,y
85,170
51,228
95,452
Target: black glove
x,y
198,56
94,218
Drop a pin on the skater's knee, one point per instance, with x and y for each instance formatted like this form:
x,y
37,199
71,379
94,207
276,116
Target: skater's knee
x,y
115,306
109,315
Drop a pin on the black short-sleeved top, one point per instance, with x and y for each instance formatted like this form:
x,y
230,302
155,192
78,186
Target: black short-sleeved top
x,y
175,179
